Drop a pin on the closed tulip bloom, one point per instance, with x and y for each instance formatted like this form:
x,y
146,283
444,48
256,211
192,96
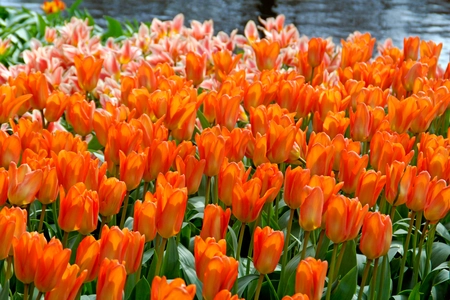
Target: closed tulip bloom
x,y
394,174
369,187
19,216
56,105
437,202
401,113
221,273
298,296
311,209
50,186
145,219
10,149
111,280
320,159
113,243
72,167
411,48
226,295
405,185
229,175
224,63
69,285
328,186
294,182
204,251
266,54
132,169
247,202
215,222
344,218
280,140
24,184
134,250
4,182
310,277
351,168
88,72
195,67
174,179
39,89
27,253
159,157
121,137
418,192
316,51
51,266
7,227
192,169
79,115
376,235
361,122
270,177
78,209
268,245
88,257
110,195
176,289
211,148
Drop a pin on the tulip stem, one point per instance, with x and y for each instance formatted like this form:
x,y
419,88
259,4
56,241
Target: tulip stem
x,y
383,270
160,256
392,215
43,120
382,204
208,190
28,217
258,286
39,295
364,278
429,249
124,209
331,273
312,75
405,247
41,220
241,238
305,244
25,291
374,279
417,263
285,250
416,234
269,212
138,273
144,191
9,262
341,256
65,239
216,190
320,242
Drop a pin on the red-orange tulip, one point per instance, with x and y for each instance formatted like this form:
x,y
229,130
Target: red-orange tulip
x,y
221,273
121,137
7,227
226,295
266,54
394,174
294,182
4,182
192,169
145,219
24,184
369,187
268,245
88,72
320,159
215,222
132,169
72,167
134,250
110,195
176,289
351,168
10,149
111,280
19,217
69,285
27,253
298,296
56,105
376,235
204,251
311,209
159,157
224,63
418,192
49,187
79,115
437,202
195,67
411,48
38,86
88,257
270,177
316,51
310,278
229,175
401,113
51,266
211,148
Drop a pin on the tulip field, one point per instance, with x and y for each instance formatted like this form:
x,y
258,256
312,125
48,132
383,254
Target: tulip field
x,y
169,161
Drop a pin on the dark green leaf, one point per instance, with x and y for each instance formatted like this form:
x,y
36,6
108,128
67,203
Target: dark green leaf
x,y
415,294
94,144
349,259
188,267
114,28
141,291
346,288
202,118
243,282
171,265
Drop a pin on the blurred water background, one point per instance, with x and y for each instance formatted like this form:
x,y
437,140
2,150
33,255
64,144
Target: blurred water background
x,y
396,19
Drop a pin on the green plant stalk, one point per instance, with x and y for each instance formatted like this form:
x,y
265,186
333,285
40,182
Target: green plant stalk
x,y
269,211
277,201
392,214
208,190
28,218
39,295
241,238
65,239
364,278
124,209
305,244
382,204
374,279
331,273
416,234
144,191
320,242
383,269
161,249
216,190
341,256
285,250
258,286
25,291
41,219
429,249
417,262
405,248
271,287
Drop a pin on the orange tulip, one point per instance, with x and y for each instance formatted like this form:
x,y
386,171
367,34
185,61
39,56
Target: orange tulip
x,y
411,48
298,296
351,168
95,174
134,250
280,141
159,157
54,6
266,54
211,148
268,245
145,219
51,266
215,222
192,169
195,67
320,159
221,273
176,289
405,185
361,122
369,187
88,257
418,192
4,182
224,63
270,178
10,149
24,184
131,169
61,140
226,295
7,227
110,195
358,48
294,181
9,104
247,201
310,277
229,175
71,167
311,209
204,251
328,186
56,105
394,174
80,115
435,161
88,72
78,209
121,137
39,89
344,218
376,235
19,217
49,189
27,253
113,243
69,285
437,202
316,51
334,123
111,280
401,113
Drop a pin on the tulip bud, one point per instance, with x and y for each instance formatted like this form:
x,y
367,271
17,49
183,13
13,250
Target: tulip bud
x,y
27,253
376,235
111,280
88,72
145,219
310,278
215,222
221,273
176,289
268,245
88,257
204,251
69,285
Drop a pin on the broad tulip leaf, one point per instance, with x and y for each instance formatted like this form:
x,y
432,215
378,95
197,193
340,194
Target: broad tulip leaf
x,y
244,281
141,291
349,260
171,264
187,263
415,294
346,288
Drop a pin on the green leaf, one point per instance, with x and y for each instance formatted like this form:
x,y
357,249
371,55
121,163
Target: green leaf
x,y
440,253
114,28
443,232
171,264
4,290
71,10
203,120
349,259
41,24
94,144
88,297
147,255
141,291
346,288
415,294
187,263
243,282
384,278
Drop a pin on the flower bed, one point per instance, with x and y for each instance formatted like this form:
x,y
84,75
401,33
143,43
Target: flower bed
x,y
169,162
